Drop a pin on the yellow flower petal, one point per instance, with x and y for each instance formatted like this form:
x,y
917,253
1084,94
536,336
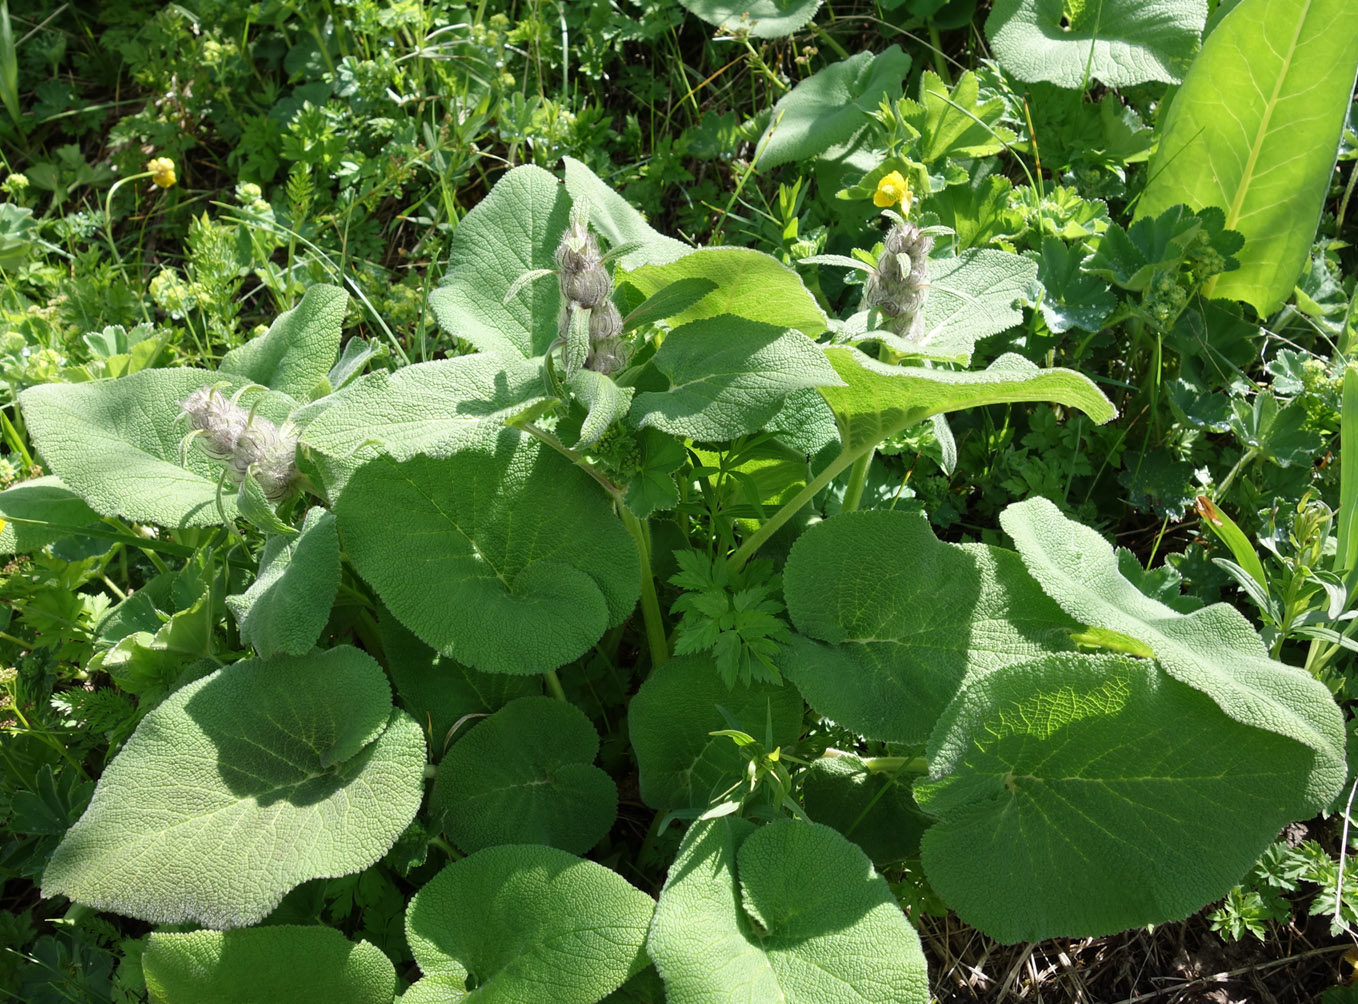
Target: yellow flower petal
x,y
162,172
892,189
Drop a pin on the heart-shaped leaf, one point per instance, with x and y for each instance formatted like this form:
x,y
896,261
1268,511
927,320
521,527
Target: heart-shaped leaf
x,y
526,775
243,785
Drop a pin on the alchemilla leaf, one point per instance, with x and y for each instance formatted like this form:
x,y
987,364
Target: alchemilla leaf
x,y
506,557
243,785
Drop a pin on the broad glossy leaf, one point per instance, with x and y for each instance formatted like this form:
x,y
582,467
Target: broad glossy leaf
x,y
956,123
761,18
1071,298
873,809
438,691
653,487
35,513
116,443
511,921
728,376
1255,131
513,230
302,965
506,557
893,622
789,912
1214,650
526,775
1120,42
618,221
286,607
879,400
295,354
747,283
831,105
680,764
432,408
1083,795
243,785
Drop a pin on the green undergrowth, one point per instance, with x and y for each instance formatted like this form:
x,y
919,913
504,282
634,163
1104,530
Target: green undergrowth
x,y
651,499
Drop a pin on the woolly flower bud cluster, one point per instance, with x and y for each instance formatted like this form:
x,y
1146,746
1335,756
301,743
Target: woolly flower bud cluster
x,y
896,287
243,443
586,285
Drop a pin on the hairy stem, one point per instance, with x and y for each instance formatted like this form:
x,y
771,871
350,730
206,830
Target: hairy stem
x,y
650,601
793,505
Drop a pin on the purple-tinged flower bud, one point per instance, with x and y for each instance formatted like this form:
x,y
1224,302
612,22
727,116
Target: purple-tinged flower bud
x,y
243,443
896,287
588,288
605,322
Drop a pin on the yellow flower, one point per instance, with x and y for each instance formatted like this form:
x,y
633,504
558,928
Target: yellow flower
x,y
891,190
162,172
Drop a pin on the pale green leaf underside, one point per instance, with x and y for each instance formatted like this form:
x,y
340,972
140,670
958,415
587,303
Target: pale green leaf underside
x,y
680,764
285,609
1255,130
434,408
972,296
728,376
241,786
300,965
295,354
789,912
116,443
54,510
831,105
761,18
1083,795
526,775
513,230
1214,650
506,557
893,622
529,923
748,284
1120,42
879,400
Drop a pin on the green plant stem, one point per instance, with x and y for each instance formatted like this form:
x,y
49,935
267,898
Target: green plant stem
x,y
447,848
792,506
896,764
650,601
1245,458
554,684
936,44
858,477
825,37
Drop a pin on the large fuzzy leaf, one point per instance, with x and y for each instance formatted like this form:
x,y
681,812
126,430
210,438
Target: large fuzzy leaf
x,y
1120,42
301,965
35,513
789,912
526,775
728,376
879,400
1255,131
1214,650
670,721
243,785
894,622
295,354
1083,795
617,220
505,557
744,282
116,443
433,408
831,105
513,230
286,607
761,18
511,921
